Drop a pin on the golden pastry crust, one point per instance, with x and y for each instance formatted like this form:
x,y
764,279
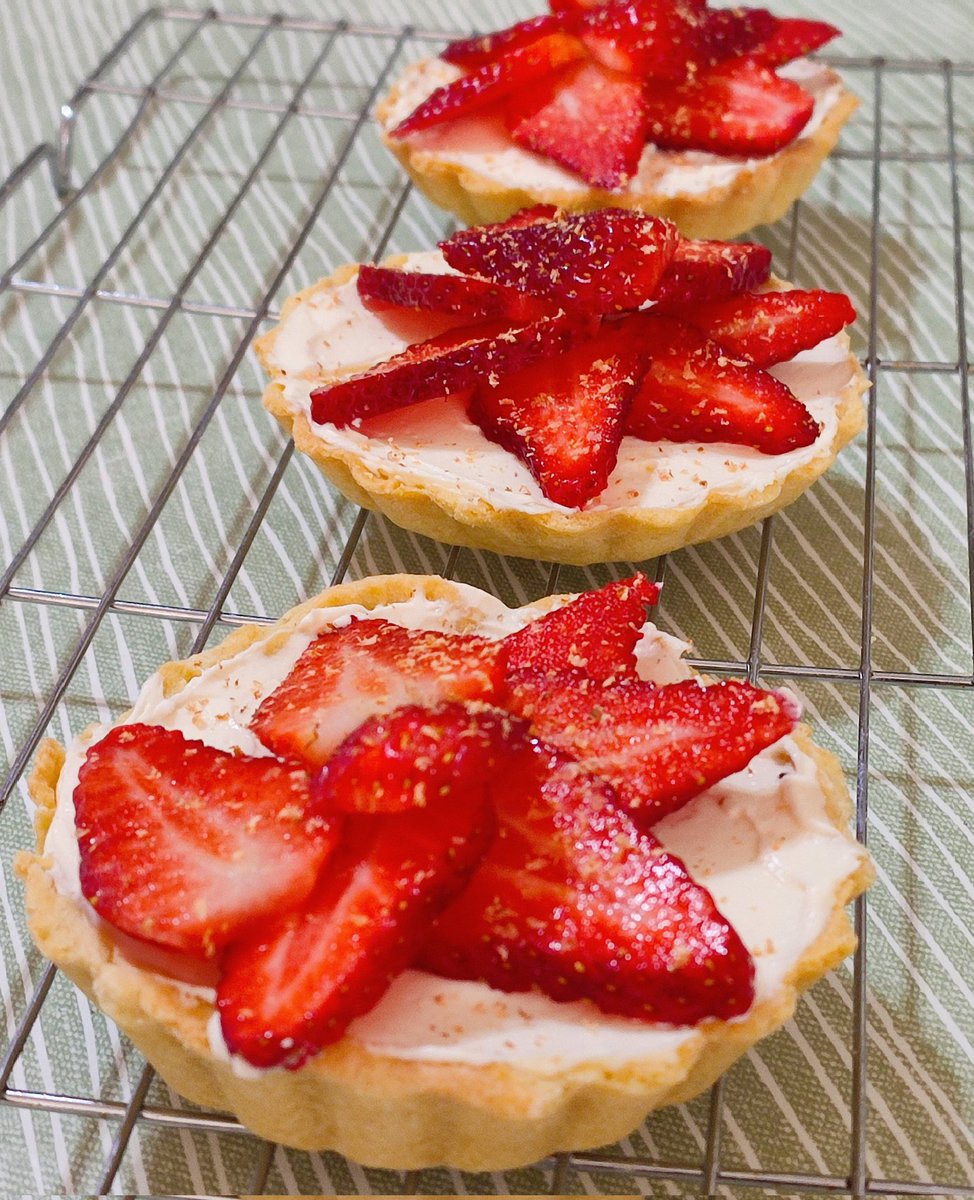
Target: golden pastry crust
x,y
449,512
758,194
383,1111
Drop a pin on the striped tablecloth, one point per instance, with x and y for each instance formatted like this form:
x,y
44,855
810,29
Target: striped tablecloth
x,y
168,491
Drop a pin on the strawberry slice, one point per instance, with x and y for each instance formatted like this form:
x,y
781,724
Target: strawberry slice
x,y
569,9
476,51
652,39
565,425
792,37
574,899
526,216
186,847
736,108
657,746
415,756
365,668
492,82
596,262
702,271
692,392
295,986
446,365
774,326
731,32
591,120
595,634
382,288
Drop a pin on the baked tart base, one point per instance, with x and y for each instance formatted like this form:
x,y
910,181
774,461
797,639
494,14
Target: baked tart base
x,y
378,1109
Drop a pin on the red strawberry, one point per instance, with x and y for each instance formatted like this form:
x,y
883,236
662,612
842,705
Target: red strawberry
x,y
657,746
492,82
415,756
382,288
693,392
295,986
792,37
573,8
701,271
446,365
773,326
652,39
365,668
595,262
731,32
476,51
564,424
591,120
595,634
185,846
573,899
526,216
739,108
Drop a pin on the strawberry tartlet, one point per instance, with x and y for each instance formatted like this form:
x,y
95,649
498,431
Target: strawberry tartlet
x,y
427,880
574,387
714,118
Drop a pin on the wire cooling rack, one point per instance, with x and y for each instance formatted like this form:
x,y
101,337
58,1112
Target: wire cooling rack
x,y
210,165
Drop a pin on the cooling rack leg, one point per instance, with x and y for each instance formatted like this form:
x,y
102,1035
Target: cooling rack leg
x,y
61,162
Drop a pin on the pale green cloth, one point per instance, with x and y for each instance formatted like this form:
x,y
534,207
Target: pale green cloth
x,y
788,1104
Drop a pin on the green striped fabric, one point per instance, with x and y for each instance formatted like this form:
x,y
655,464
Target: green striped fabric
x,y
788,1107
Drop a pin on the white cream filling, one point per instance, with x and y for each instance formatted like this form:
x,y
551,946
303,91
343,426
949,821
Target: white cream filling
x,y
484,146
331,334
761,841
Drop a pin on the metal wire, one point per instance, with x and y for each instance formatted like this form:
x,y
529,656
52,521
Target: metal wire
x,y
709,1175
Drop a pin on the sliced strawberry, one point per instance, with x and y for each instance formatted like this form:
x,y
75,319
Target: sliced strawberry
x,y
184,846
657,746
382,288
652,39
573,8
594,262
731,32
792,37
476,51
566,424
736,108
526,216
595,634
772,327
492,82
365,668
446,365
693,392
702,271
416,756
295,986
591,120
573,899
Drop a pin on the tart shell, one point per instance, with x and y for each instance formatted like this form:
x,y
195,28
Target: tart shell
x,y
762,192
622,534
382,1111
